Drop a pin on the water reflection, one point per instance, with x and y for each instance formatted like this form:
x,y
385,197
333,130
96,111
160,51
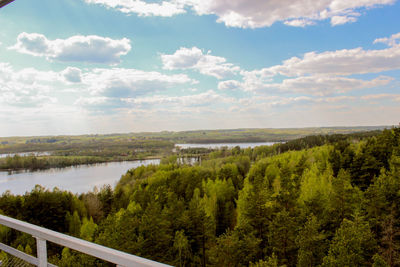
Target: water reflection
x,y
77,179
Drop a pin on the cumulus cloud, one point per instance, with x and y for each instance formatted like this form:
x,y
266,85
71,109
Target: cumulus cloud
x,y
27,87
72,75
339,62
91,48
230,85
324,73
299,22
395,97
143,8
261,102
391,41
200,99
118,82
107,87
194,58
253,13
340,20
322,85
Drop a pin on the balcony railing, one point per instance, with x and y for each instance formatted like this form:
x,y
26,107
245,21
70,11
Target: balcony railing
x,y
43,235
5,2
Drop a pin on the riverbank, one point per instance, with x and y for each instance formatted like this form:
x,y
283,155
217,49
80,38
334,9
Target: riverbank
x,y
86,151
33,163
76,179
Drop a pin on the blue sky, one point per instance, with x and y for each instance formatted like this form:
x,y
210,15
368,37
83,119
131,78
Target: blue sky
x,y
107,66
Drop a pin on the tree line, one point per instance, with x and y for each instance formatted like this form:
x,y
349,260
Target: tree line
x,y
316,201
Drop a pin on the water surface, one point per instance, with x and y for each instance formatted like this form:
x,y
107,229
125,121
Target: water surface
x,y
84,178
77,179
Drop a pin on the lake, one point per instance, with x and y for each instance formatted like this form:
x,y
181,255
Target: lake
x,y
77,179
228,145
83,178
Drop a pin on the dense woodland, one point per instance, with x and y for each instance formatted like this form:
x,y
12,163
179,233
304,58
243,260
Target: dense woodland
x,y
65,151
317,201
116,144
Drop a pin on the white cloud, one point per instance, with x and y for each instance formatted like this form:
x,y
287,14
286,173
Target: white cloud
x,y
157,104
339,62
92,48
194,58
201,99
119,82
252,13
340,20
256,14
324,73
143,8
101,104
229,85
395,97
27,87
320,85
299,22
31,87
391,41
262,102
72,75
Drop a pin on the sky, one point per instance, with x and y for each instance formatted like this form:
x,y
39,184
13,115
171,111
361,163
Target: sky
x,y
116,66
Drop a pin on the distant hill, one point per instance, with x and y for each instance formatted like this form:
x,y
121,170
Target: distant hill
x,y
167,138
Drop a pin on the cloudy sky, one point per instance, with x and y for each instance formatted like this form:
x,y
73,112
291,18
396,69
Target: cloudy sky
x,y
107,66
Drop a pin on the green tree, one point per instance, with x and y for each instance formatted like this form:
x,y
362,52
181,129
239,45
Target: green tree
x,y
352,245
181,244
74,224
379,261
28,250
311,243
344,200
390,246
282,236
270,262
200,228
88,229
235,248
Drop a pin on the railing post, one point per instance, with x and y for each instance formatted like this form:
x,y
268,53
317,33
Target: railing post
x,y
41,252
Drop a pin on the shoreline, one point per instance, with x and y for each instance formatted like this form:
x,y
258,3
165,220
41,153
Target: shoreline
x,y
76,165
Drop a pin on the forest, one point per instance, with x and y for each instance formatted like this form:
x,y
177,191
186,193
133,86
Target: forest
x,y
322,200
65,151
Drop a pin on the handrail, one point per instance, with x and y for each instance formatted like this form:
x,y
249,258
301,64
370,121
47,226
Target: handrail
x,y
21,255
108,254
5,2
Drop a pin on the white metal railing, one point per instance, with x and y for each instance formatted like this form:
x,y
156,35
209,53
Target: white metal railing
x,y
42,235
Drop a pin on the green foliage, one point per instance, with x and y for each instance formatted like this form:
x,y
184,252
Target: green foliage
x,y
293,204
379,261
270,262
74,224
353,244
311,242
88,229
181,244
234,248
